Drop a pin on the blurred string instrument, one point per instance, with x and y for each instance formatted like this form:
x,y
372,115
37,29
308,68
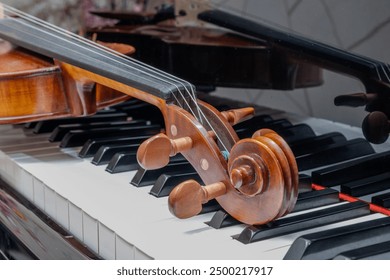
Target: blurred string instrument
x,y
35,87
288,60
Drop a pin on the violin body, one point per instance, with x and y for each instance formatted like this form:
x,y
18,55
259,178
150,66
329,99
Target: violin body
x,y
210,57
35,87
30,86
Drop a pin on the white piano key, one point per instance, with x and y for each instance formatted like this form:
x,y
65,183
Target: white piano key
x,y
90,233
106,242
25,181
9,172
39,193
62,211
76,221
123,249
2,162
50,202
139,255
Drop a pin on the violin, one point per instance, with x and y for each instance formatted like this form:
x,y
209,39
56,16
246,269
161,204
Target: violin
x,y
34,87
255,180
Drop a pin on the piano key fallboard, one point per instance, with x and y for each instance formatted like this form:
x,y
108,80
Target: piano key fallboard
x,y
87,180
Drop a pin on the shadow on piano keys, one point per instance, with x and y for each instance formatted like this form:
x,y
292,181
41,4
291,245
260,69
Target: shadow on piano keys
x,y
119,211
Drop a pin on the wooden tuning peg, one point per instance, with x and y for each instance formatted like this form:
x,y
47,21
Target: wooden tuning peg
x,y
154,153
376,127
355,99
235,116
186,199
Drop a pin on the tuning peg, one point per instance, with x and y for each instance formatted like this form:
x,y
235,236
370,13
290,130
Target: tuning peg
x,y
186,199
376,127
235,116
155,152
355,99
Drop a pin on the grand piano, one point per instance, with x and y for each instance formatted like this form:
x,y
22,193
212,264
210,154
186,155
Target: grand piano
x,y
116,216
81,174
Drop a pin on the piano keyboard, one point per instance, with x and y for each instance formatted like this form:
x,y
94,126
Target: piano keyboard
x,y
120,211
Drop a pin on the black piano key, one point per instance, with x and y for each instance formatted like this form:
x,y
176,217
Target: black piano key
x,y
382,200
141,110
328,244
307,145
307,199
253,122
145,177
304,221
334,153
50,125
105,153
221,219
210,206
353,170
79,137
313,199
304,183
379,251
92,146
122,162
30,125
367,185
277,124
166,182
296,133
246,130
60,131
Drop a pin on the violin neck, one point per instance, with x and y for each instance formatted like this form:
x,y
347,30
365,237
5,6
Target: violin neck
x,y
78,53
370,72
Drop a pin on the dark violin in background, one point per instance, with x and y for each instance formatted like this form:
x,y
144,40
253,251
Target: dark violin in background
x,y
288,61
173,39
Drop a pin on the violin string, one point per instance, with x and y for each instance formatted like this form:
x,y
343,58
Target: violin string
x,y
76,37
190,92
388,70
99,48
384,71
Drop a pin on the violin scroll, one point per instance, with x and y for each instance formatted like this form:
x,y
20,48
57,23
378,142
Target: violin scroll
x,y
261,183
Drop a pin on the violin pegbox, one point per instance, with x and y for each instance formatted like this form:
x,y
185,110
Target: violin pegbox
x,y
155,152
